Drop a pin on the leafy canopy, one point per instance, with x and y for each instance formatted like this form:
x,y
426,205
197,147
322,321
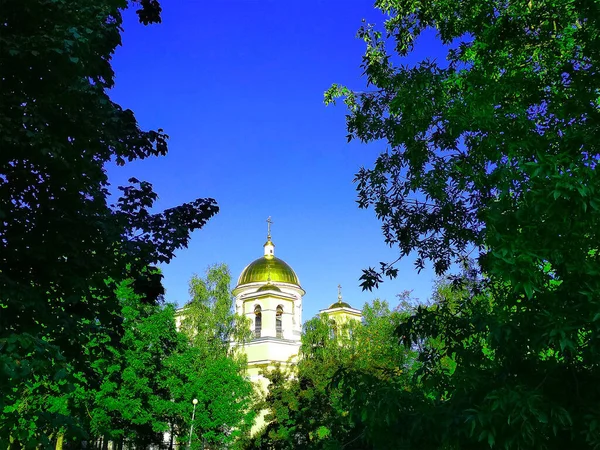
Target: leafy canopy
x,y
148,382
492,152
209,318
64,248
312,409
211,326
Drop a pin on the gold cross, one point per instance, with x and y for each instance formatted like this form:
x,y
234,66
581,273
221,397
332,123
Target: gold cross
x,y
339,292
269,223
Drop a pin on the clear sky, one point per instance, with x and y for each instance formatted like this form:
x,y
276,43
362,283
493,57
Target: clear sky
x,y
238,86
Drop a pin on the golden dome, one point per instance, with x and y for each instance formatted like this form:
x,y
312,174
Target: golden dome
x,y
339,304
264,268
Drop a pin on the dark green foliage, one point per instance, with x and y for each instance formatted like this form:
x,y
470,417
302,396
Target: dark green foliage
x,y
510,120
60,239
494,151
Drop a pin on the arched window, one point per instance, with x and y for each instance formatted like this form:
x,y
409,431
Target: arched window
x,y
278,321
257,321
332,329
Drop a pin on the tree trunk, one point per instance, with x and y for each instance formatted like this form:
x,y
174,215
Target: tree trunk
x,y
59,441
171,437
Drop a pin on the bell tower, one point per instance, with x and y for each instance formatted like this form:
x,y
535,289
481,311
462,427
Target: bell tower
x,y
341,312
268,292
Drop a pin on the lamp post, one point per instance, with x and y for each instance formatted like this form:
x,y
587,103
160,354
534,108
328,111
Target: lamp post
x,y
194,402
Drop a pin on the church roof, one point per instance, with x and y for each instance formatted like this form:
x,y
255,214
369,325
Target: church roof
x,y
268,269
265,268
339,304
268,287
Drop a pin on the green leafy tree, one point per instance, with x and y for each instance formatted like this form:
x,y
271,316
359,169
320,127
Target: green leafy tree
x,y
494,151
421,402
151,377
224,398
210,323
314,409
209,318
60,238
134,402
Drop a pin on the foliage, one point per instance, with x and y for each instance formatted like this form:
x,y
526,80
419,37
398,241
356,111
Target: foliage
x,y
209,319
503,135
135,400
493,151
151,377
211,325
307,410
60,239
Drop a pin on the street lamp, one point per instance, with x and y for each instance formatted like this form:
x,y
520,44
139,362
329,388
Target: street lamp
x,y
194,402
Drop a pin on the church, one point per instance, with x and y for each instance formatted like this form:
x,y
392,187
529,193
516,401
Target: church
x,y
269,293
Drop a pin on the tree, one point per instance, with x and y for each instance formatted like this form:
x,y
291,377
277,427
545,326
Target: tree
x,y
396,411
314,409
211,325
64,248
134,402
224,409
494,152
150,378
209,318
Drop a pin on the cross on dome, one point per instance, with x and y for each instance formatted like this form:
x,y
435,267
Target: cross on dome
x,y
268,266
269,223
340,303
269,246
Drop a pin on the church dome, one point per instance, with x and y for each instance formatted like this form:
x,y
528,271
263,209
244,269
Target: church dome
x,y
340,304
265,268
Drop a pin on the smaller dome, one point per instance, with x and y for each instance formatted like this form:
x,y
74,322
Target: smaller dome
x,y
268,287
340,305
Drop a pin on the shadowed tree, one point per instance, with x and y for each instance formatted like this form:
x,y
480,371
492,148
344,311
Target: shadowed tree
x,y
63,246
493,151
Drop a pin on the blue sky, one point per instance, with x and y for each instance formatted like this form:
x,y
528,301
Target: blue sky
x,y
238,86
